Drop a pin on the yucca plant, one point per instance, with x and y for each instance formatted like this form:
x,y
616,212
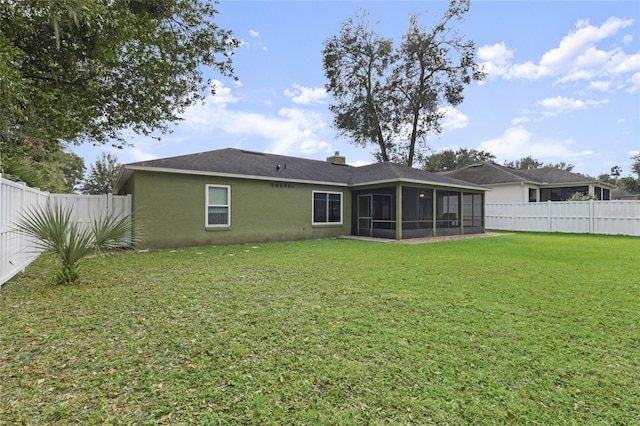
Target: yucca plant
x,y
58,234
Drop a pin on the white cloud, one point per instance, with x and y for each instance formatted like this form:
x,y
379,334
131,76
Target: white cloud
x,y
254,35
634,83
520,120
603,86
562,105
306,95
497,59
359,163
222,94
291,131
517,142
453,119
576,58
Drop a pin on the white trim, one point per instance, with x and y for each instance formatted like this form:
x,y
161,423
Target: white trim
x,y
313,194
207,205
421,182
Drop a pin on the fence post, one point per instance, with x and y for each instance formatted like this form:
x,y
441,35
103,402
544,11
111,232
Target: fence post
x,y
109,204
591,217
548,207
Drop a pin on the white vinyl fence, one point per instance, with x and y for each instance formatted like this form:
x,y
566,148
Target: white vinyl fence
x,y
16,250
593,217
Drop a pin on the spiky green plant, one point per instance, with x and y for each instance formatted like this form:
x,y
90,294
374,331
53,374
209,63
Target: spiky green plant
x,y
56,233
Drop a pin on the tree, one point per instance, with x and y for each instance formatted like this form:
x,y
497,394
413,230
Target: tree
x,y
525,163
50,168
635,167
606,178
616,171
84,70
393,97
561,165
629,184
102,175
452,160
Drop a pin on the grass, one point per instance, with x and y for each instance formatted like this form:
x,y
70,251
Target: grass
x,y
517,329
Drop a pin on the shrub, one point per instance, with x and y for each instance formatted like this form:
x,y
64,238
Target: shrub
x,y
59,235
581,196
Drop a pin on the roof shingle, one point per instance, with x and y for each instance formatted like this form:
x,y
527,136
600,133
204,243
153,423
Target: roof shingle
x,y
241,163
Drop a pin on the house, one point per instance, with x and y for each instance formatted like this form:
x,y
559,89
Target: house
x,y
530,185
232,196
621,194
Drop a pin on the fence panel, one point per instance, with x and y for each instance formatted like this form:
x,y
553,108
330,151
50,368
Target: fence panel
x,y
614,217
596,217
16,250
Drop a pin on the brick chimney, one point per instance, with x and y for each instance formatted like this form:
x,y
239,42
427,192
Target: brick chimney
x,y
336,158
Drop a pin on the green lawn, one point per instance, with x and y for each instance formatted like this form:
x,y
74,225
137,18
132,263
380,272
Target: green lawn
x,y
516,329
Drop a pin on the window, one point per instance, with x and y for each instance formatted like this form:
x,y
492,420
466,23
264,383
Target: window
x,y
533,196
218,205
473,205
417,208
561,194
327,207
447,207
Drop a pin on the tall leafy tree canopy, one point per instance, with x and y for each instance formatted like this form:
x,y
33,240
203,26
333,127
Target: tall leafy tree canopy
x,y
532,163
449,159
102,175
52,169
393,96
85,70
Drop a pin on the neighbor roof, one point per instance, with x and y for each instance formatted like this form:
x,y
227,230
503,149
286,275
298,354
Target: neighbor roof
x,y
239,163
494,174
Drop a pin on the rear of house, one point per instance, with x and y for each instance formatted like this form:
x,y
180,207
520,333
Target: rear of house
x,y
531,185
232,196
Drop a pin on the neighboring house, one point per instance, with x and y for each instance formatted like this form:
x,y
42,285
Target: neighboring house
x,y
621,194
532,185
234,196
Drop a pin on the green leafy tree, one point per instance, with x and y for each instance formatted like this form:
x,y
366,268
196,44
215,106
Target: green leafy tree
x,y
635,167
531,163
58,234
85,70
629,184
606,178
615,172
393,97
561,165
51,168
102,175
525,163
449,159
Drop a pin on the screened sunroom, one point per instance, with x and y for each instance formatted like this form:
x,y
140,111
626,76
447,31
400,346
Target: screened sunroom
x,y
424,212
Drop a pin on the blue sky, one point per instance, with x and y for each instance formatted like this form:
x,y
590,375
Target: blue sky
x,y
563,83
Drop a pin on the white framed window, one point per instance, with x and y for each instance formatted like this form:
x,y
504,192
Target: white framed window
x,y
327,208
218,209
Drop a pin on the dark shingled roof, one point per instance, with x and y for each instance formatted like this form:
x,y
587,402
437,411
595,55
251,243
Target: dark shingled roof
x,y
494,174
384,172
241,163
232,161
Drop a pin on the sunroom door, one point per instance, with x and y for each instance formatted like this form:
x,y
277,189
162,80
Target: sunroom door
x,y
365,222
